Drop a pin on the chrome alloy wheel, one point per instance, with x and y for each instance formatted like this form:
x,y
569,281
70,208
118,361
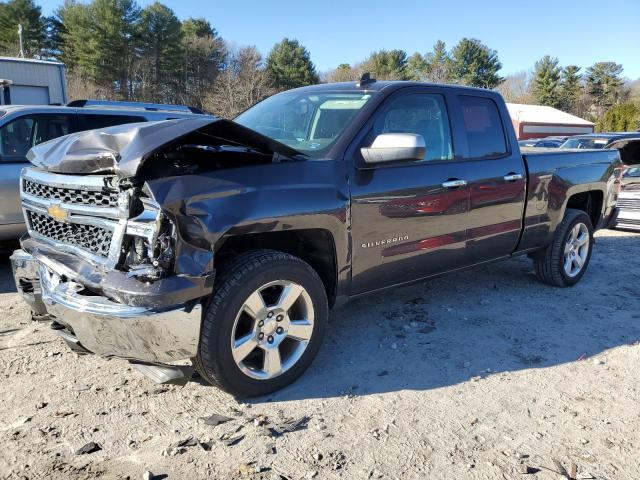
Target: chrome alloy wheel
x,y
272,329
576,249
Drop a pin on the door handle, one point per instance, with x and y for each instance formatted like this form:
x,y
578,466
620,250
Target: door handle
x,y
512,177
454,183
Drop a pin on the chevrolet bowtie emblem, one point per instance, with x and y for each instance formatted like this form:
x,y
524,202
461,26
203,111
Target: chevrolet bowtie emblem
x,y
57,212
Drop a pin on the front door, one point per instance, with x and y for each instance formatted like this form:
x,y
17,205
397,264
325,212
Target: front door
x,y
408,219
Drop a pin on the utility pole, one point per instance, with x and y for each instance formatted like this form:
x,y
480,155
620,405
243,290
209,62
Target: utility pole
x,y
20,36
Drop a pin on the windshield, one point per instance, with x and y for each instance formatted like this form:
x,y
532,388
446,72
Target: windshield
x,y
308,122
632,172
586,143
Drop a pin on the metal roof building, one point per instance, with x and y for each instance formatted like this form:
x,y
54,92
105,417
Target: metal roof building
x,y
25,81
537,121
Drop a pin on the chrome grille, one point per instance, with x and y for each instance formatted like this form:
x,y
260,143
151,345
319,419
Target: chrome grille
x,y
75,213
74,196
96,240
628,203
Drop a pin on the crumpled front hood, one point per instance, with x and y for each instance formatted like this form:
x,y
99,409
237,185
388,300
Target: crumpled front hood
x,y
122,149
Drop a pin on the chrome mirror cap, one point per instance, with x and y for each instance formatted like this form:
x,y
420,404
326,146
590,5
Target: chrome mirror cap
x,y
393,147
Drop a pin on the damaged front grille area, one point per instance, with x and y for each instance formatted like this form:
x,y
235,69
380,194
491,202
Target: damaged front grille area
x,y
100,218
94,239
75,196
81,214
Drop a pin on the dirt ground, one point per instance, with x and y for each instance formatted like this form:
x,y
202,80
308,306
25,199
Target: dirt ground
x,y
485,374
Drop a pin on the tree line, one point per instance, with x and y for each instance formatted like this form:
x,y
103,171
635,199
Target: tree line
x,y
114,49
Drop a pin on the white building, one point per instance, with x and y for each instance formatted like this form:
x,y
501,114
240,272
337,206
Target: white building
x,y
25,81
537,121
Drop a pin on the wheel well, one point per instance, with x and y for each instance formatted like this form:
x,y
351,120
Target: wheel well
x,y
314,246
589,202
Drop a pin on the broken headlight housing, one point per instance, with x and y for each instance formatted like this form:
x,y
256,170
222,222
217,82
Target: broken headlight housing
x,y
149,245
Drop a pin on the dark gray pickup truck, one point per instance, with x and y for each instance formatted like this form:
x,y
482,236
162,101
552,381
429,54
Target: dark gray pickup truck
x,y
227,242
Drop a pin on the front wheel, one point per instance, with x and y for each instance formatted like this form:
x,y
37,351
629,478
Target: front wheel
x,y
565,260
264,324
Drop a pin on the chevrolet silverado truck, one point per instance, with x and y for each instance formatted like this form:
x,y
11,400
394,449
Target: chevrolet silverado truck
x,y
222,245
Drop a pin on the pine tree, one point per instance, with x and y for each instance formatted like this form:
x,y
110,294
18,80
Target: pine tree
x,y
545,85
416,67
159,53
604,83
29,15
387,65
97,41
570,89
289,65
474,64
624,117
438,63
203,57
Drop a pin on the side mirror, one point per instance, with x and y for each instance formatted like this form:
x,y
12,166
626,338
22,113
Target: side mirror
x,y
393,147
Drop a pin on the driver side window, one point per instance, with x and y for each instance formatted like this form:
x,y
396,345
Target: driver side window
x,y
422,114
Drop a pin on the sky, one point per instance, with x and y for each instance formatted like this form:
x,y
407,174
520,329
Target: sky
x,y
578,32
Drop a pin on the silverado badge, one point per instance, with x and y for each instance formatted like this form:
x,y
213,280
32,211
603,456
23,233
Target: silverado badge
x,y
57,212
377,243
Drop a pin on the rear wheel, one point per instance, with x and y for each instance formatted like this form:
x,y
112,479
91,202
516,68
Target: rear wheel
x,y
565,260
264,324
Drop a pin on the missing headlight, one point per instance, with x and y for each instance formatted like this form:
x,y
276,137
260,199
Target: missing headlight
x,y
149,244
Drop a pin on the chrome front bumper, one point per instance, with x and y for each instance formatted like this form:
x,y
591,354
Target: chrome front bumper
x,y
105,327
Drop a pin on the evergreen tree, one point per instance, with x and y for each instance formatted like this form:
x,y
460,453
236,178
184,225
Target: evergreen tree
x,y
29,15
438,63
97,41
570,88
203,57
416,67
473,63
545,85
624,117
604,83
76,38
159,53
387,65
289,65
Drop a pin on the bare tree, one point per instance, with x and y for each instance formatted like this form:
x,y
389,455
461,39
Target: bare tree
x,y
344,73
516,88
80,88
242,84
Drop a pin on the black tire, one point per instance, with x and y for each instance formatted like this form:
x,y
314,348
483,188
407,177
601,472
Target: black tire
x,y
235,283
549,263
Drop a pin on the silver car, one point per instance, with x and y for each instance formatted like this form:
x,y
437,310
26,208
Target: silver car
x,y
23,126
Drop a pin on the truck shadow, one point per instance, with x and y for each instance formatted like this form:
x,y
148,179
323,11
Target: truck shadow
x,y
491,319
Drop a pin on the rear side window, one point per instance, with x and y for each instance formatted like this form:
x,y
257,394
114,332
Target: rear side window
x,y
91,122
19,135
483,127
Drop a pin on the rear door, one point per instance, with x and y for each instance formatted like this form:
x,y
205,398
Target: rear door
x,y
495,175
408,219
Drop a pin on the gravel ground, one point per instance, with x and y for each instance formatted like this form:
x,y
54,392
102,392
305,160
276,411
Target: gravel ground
x,y
485,374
